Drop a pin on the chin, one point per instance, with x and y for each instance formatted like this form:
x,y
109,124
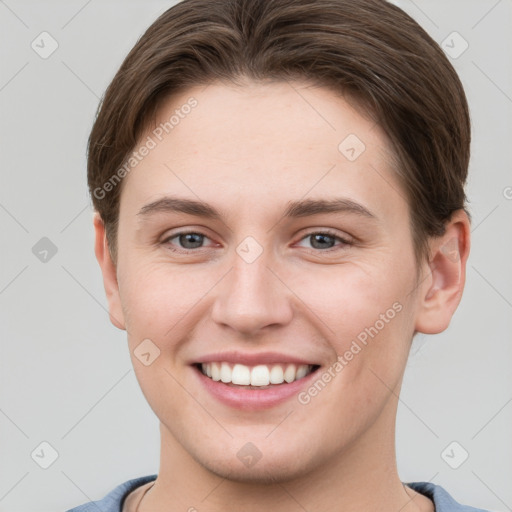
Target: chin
x,y
265,474
270,468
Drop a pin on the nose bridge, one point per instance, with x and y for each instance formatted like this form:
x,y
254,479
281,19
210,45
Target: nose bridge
x,y
251,296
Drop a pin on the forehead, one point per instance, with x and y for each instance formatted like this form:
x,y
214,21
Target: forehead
x,y
264,142
306,116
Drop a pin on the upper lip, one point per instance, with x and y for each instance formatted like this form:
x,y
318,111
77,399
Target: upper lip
x,y
253,359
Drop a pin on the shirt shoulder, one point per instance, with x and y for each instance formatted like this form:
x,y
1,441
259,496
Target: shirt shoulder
x,y
443,502
113,501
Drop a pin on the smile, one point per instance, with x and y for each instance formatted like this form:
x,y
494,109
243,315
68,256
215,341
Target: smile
x,y
255,376
254,381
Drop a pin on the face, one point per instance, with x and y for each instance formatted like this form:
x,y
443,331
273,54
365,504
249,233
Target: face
x,y
269,323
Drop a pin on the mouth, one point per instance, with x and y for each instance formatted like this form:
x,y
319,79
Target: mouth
x,y
251,381
259,376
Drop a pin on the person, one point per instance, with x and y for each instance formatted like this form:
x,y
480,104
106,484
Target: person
x,y
279,204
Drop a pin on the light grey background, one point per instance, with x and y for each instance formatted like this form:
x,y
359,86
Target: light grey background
x,y
65,372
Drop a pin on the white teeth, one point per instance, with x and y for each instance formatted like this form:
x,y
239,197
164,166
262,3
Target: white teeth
x,y
276,375
301,372
241,375
260,375
289,373
215,369
225,373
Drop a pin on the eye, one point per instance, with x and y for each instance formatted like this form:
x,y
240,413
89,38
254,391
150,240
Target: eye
x,y
187,240
325,240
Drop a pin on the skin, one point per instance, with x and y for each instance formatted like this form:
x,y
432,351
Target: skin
x,y
248,150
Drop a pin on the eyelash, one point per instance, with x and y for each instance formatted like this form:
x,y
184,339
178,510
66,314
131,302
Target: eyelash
x,y
344,242
327,232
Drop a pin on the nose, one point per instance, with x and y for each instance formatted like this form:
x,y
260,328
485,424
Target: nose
x,y
252,297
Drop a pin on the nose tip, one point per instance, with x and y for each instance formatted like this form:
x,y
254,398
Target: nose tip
x,y
251,298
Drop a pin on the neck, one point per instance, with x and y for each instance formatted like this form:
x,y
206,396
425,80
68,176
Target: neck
x,y
362,477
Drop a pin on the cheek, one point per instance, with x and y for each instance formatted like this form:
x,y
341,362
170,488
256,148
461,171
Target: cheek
x,y
367,317
157,299
351,298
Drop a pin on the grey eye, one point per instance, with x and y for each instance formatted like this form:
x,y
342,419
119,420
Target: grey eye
x,y
322,241
190,240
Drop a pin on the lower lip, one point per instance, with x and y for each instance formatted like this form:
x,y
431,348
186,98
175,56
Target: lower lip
x,y
253,399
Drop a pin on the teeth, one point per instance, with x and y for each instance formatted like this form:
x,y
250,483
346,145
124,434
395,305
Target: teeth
x,y
214,369
225,373
302,371
276,375
260,375
240,375
289,373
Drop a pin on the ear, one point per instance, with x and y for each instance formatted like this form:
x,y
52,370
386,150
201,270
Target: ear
x,y
109,271
440,293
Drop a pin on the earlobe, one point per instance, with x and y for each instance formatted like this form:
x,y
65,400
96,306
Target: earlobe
x,y
109,271
442,291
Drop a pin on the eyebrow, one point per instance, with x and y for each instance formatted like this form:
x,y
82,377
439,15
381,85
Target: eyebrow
x,y
301,208
180,205
307,207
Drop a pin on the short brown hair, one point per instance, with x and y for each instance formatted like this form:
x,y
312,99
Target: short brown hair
x,y
368,49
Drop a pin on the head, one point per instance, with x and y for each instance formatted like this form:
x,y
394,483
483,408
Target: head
x,y
316,153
